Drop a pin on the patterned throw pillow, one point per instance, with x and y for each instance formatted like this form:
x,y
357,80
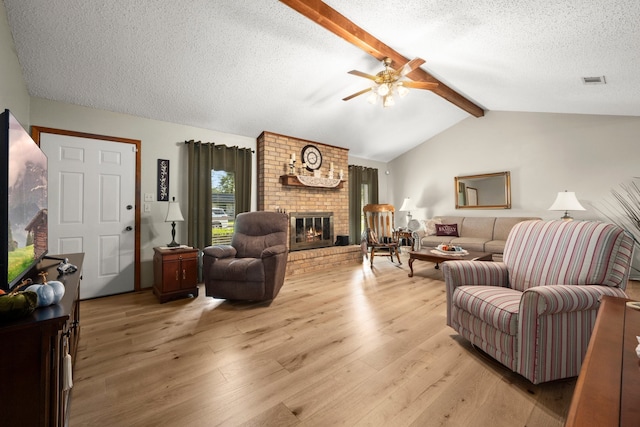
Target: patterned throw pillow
x,y
430,226
447,230
415,225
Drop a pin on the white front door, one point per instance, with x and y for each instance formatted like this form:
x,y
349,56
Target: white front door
x,y
92,209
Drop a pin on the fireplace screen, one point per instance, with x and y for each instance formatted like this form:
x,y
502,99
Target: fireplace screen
x,y
311,230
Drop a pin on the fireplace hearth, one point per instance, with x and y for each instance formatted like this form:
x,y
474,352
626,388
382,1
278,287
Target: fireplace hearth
x,y
309,230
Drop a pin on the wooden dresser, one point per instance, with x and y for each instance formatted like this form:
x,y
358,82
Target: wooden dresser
x,y
607,392
32,352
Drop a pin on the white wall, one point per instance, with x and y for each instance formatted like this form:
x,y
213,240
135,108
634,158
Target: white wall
x,y
160,140
13,90
545,153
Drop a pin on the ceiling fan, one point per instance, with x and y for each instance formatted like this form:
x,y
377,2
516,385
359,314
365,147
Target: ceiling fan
x,y
389,82
329,18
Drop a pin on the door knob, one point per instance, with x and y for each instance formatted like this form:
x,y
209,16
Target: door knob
x,y
129,228
129,207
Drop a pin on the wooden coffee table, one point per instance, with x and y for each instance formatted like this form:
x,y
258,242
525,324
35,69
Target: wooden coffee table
x,y
431,255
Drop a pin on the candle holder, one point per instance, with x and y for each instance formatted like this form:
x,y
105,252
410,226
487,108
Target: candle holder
x,y
292,167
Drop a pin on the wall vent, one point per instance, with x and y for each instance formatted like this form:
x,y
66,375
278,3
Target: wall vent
x,y
598,80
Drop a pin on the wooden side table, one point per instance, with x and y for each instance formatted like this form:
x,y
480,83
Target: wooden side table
x,y
175,273
404,234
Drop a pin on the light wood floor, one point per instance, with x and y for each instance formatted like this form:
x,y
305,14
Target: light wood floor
x,y
349,346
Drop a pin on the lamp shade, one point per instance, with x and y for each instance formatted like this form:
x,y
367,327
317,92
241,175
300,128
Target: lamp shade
x,y
173,213
566,201
407,205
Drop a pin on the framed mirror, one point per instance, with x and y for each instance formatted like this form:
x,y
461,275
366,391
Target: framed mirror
x,y
486,191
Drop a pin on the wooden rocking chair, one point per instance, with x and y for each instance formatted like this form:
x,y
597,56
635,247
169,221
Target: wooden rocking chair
x,y
380,233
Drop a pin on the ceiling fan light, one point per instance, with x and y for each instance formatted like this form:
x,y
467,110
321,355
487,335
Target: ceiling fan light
x,y
402,91
373,97
383,89
388,101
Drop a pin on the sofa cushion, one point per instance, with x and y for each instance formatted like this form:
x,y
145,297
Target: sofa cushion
x,y
435,240
447,230
495,246
481,227
495,305
470,243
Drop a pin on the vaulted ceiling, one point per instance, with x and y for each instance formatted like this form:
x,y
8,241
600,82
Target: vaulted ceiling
x,y
246,66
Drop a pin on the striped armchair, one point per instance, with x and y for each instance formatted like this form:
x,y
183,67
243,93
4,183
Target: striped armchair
x,y
535,311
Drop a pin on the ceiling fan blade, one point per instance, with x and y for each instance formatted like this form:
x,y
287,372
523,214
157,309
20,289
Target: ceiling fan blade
x,y
365,75
410,66
419,85
363,91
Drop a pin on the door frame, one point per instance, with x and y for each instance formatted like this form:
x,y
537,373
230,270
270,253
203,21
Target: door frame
x,y
36,131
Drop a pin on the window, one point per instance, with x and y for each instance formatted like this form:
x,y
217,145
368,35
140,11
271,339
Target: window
x,y
223,207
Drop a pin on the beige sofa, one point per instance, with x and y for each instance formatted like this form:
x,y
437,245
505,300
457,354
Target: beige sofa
x,y
484,234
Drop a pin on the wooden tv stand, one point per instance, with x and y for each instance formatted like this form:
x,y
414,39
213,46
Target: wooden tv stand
x,y
608,388
32,351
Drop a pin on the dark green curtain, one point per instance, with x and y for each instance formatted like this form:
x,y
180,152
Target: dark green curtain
x,y
359,175
202,158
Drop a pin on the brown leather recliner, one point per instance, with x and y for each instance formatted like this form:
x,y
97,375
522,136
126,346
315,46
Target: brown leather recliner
x,y
253,266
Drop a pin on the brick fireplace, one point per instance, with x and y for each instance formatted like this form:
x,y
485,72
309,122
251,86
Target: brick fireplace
x,y
274,193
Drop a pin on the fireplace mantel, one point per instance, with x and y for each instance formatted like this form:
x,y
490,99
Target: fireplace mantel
x,y
292,180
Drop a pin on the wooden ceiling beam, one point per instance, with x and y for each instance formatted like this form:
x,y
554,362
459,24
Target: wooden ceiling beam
x,y
324,15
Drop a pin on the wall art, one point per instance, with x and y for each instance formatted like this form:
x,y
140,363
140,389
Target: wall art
x,y
163,180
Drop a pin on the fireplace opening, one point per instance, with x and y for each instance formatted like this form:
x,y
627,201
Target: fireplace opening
x,y
310,230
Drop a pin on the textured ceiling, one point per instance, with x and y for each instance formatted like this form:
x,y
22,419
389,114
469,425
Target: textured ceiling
x,y
246,66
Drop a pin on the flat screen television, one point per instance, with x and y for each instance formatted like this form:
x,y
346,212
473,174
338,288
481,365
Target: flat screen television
x,y
23,191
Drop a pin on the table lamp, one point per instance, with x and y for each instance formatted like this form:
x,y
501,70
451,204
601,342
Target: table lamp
x,y
173,215
407,206
566,201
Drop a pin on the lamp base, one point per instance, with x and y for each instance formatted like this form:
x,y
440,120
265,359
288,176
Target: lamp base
x,y
173,243
566,216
